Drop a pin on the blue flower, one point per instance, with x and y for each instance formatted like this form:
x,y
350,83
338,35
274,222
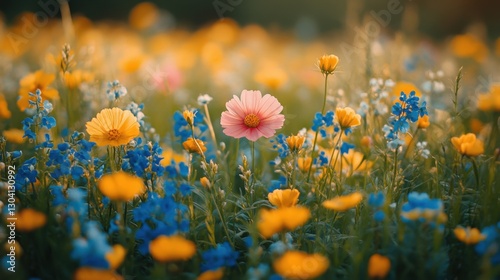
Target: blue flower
x,y
220,256
115,90
491,244
91,250
376,199
185,189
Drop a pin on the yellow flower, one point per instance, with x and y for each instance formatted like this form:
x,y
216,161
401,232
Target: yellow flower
x,y
366,142
170,155
277,220
295,142
192,147
113,127
121,186
143,15
469,236
300,265
29,220
378,266
490,101
405,87
212,274
271,76
423,122
343,203
284,198
130,64
171,248
354,161
72,80
304,163
116,256
467,45
468,145
188,116
89,273
14,135
205,182
30,83
328,63
4,108
347,117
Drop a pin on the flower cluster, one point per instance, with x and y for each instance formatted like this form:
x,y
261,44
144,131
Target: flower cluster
x,y
423,209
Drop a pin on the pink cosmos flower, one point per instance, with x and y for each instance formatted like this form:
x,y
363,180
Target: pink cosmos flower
x,y
252,116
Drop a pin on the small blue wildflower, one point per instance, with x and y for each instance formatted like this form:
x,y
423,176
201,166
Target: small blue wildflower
x,y
379,216
185,189
115,90
344,149
489,246
376,199
220,256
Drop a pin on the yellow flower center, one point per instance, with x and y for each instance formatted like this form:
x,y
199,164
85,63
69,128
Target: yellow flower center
x,y
251,120
113,134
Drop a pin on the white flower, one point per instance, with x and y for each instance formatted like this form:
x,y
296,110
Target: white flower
x,y
204,99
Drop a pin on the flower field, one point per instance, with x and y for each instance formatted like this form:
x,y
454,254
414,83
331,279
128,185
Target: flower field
x,y
134,151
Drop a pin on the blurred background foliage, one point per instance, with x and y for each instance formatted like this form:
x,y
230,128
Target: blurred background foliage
x,y
436,19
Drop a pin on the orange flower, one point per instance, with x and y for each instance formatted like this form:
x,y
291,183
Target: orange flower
x,y
378,266
284,198
343,203
347,118
205,182
194,147
300,265
295,142
29,220
490,101
304,164
88,273
188,116
4,108
212,274
277,220
405,87
14,135
423,122
469,236
169,155
30,83
468,145
72,80
328,63
113,127
121,186
171,248
143,15
116,256
271,76
467,45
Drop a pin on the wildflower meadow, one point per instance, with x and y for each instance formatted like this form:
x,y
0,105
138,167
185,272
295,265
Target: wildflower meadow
x,y
129,150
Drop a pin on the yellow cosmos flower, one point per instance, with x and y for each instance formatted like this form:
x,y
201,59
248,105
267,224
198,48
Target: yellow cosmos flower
x,y
113,127
121,186
88,273
490,101
4,108
194,147
14,135
212,274
284,198
347,118
171,248
29,220
468,145
328,63
295,142
116,256
30,83
343,203
469,236
423,122
378,266
277,220
300,265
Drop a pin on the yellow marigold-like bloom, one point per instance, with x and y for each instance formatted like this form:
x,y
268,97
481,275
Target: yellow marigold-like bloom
x,y
295,142
277,220
271,76
304,164
490,101
14,135
476,125
29,220
347,117
113,127
188,116
170,155
89,273
366,141
469,236
343,203
301,265
354,161
212,274
191,146
72,80
284,198
30,83
378,266
172,248
116,256
423,122
4,108
121,186
405,87
468,145
205,182
143,15
468,45
130,64
328,63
